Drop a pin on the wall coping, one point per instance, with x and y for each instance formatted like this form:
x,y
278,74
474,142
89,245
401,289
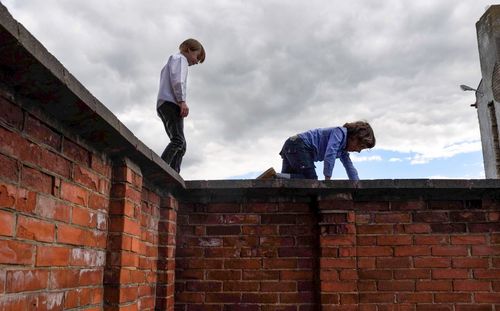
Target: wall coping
x,y
364,190
32,72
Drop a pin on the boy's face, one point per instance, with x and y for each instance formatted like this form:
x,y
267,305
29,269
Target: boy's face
x,y
192,57
354,145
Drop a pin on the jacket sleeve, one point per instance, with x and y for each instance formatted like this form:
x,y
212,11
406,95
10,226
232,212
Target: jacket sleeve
x,y
178,76
332,148
351,171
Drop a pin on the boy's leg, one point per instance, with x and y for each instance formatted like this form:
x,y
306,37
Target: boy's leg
x,y
298,161
174,126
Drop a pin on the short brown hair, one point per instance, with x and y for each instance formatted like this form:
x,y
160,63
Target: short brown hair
x,y
362,131
193,45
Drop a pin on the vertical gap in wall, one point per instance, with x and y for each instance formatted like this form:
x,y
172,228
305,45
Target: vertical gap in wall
x,y
314,207
494,132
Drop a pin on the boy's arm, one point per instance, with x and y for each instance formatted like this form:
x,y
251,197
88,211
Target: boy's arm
x,y
178,77
331,152
351,171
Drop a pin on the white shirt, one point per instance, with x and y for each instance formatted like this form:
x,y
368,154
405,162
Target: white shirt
x,y
173,80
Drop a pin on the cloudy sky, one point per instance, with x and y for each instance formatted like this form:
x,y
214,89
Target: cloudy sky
x,y
278,67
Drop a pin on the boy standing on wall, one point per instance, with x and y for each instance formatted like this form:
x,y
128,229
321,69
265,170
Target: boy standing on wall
x,y
171,102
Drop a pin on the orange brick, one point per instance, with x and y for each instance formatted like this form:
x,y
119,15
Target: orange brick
x,y
64,278
74,193
52,256
84,217
34,229
14,252
7,220
73,235
26,280
50,208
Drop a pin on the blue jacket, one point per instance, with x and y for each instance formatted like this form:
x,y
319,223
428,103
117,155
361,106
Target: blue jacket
x,y
328,144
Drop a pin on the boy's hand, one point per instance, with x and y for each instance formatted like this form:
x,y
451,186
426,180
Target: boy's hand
x,y
184,109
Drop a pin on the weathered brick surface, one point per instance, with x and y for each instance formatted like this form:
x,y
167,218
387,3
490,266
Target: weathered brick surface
x,y
250,256
77,233
418,255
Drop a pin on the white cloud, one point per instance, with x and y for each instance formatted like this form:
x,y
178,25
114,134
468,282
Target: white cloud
x,y
276,68
395,160
357,158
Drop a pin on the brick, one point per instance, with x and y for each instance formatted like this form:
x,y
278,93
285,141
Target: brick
x,y
11,114
9,170
25,200
449,251
7,219
36,180
473,307
260,275
76,152
262,230
448,228
467,216
432,262
446,205
326,263
14,252
64,278
271,298
370,251
484,250
398,262
434,285
430,217
432,240
52,256
484,227
375,229
396,286
471,286
487,273
450,274
341,286
337,240
468,262
468,239
121,190
416,228
280,219
242,264
90,277
73,235
412,251
376,298
26,280
223,230
203,286
415,297
487,297
412,273
224,275
394,240
34,229
84,217
42,133
99,202
74,194
296,275
50,208
298,298
372,206
55,163
392,218
86,178
222,297
99,164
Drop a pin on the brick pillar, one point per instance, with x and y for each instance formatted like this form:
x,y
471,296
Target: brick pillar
x,y
166,254
121,290
338,263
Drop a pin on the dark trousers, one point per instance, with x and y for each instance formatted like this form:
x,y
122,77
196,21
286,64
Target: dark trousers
x,y
298,159
174,126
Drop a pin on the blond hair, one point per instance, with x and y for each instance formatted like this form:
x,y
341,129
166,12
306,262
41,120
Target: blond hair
x,y
193,45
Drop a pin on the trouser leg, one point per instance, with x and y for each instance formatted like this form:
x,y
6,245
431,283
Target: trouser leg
x,y
174,126
297,160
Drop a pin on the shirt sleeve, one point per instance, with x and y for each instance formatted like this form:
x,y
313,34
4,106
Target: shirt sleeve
x,y
351,171
332,148
178,77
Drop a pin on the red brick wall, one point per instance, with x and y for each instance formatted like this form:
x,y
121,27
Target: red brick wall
x,y
246,256
78,230
340,253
